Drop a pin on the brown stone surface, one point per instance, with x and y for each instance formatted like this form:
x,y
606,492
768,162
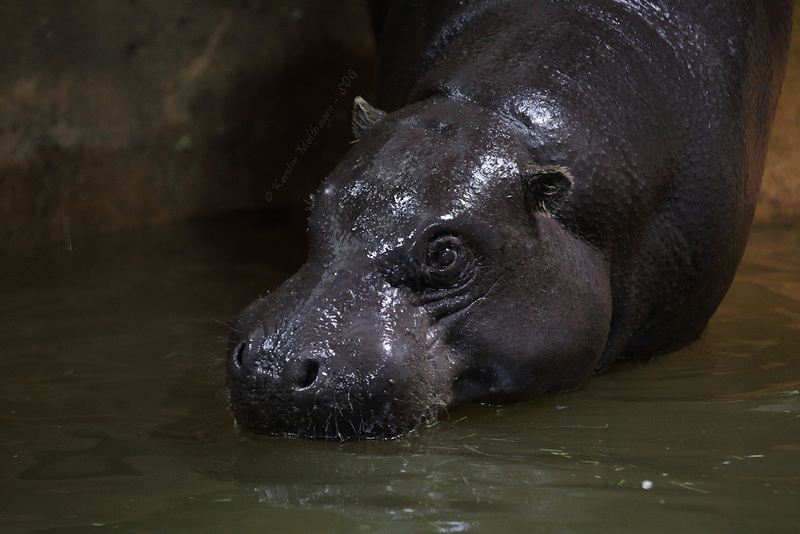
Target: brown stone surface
x,y
779,201
118,114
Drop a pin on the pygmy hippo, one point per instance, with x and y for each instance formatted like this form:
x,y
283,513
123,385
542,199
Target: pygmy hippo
x,y
553,185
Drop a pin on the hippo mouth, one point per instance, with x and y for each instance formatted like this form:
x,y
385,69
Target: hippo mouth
x,y
337,418
318,404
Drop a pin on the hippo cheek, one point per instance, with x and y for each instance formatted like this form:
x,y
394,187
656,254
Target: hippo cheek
x,y
348,361
515,355
514,349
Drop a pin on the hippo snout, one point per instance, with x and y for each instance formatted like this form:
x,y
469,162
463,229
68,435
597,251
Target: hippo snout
x,y
321,358
302,394
274,389
250,361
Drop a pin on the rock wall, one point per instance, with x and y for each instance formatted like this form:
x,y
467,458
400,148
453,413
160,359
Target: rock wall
x,y
779,201
118,114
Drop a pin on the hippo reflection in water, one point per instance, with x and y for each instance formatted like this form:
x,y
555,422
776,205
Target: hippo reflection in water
x,y
558,185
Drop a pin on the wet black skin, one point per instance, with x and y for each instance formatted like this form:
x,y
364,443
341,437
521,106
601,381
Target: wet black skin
x,y
558,185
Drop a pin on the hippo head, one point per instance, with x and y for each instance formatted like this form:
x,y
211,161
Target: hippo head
x,y
436,275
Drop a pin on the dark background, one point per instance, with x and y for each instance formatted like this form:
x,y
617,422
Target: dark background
x,y
127,113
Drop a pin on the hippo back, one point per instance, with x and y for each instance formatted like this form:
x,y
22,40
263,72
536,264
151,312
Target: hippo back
x,y
659,109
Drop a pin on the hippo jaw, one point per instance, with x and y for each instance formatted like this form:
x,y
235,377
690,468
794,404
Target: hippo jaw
x,y
436,276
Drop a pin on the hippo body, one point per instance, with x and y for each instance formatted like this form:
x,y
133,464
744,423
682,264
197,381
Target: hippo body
x,y
554,185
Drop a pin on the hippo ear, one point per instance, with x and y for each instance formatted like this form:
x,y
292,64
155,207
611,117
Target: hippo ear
x,y
545,188
365,116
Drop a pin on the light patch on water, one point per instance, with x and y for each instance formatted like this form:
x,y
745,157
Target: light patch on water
x,y
538,112
387,314
386,245
471,195
404,203
491,166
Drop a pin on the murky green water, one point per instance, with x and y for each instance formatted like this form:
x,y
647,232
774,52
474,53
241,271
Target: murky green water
x,y
113,415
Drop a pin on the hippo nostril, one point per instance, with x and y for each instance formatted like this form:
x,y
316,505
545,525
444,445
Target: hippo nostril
x,y
307,375
238,355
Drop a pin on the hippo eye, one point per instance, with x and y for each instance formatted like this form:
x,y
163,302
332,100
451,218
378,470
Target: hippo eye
x,y
444,257
446,261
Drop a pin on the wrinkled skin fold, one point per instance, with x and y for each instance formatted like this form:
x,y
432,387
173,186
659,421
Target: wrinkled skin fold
x,y
553,186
